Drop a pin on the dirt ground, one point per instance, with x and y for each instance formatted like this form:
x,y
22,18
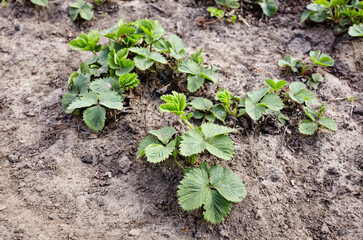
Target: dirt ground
x,y
298,187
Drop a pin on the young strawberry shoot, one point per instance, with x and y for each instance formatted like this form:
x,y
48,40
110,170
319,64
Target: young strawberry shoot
x,y
80,9
316,119
215,187
204,109
306,69
269,7
197,71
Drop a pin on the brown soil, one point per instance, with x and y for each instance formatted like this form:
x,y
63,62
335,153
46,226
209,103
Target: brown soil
x,y
298,187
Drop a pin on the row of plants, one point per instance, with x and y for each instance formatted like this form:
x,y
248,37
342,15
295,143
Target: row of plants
x,y
100,84
345,13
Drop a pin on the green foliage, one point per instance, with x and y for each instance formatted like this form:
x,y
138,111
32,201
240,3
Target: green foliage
x,y
99,2
112,70
228,3
215,188
87,42
158,150
232,19
356,30
275,84
174,103
205,109
209,137
81,9
316,119
321,59
228,101
269,7
344,12
258,101
128,81
198,72
315,80
306,69
215,12
42,3
145,58
291,62
299,93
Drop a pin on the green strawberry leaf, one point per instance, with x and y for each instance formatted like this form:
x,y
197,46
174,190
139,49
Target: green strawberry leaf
x,y
164,134
221,146
194,190
146,142
255,111
111,99
272,102
128,81
201,104
228,3
307,127
174,103
219,112
42,3
211,130
269,7
228,184
95,117
275,84
192,142
194,82
156,153
328,123
321,59
356,30
216,208
87,100
177,49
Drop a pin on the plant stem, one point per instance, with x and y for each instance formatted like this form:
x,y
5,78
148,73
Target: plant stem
x,y
179,164
190,125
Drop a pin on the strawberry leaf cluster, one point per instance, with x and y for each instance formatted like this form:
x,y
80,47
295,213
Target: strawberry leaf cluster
x,y
100,82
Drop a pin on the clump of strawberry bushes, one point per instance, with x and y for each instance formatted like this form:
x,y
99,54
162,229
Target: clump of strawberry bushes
x,y
100,84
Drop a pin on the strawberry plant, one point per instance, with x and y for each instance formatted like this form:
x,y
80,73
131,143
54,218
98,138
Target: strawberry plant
x,y
81,9
197,71
101,82
306,69
299,94
204,109
269,7
215,187
215,12
356,30
228,3
344,12
316,119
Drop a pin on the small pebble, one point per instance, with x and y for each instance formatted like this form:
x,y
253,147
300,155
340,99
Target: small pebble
x,y
17,27
341,232
87,159
2,207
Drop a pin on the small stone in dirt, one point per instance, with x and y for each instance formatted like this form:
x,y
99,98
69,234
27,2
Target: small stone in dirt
x,y
134,232
87,159
341,232
124,164
34,71
258,214
2,207
17,27
224,233
325,228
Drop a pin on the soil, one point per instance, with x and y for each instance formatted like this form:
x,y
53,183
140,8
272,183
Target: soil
x,y
60,180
